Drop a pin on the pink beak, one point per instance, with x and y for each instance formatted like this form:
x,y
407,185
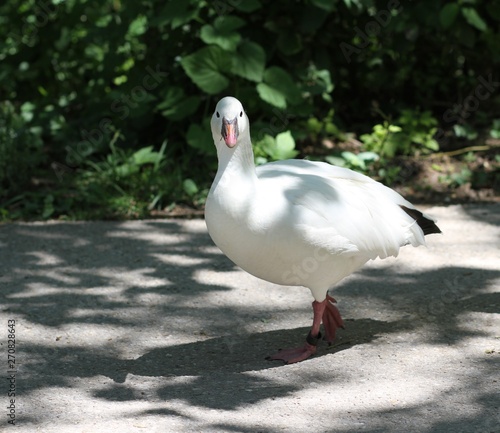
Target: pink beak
x,y
230,131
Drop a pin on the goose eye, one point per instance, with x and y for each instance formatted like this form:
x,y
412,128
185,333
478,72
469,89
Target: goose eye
x,y
241,113
217,114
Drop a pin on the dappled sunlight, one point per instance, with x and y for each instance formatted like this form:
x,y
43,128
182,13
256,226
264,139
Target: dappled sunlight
x,y
63,275
180,259
43,258
146,330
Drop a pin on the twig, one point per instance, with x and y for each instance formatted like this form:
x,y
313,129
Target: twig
x,y
460,151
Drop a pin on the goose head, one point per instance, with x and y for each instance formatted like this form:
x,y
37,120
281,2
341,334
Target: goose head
x,y
229,122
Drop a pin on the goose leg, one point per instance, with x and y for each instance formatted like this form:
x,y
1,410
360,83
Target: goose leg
x,y
331,319
324,311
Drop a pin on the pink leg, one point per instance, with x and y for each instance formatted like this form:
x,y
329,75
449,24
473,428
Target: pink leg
x,y
331,319
330,315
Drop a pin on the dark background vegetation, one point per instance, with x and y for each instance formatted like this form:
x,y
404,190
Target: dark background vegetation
x,y
104,105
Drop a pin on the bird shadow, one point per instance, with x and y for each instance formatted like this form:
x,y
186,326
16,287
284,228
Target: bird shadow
x,y
248,352
216,367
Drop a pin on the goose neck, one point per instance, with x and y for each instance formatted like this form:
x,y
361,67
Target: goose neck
x,y
237,162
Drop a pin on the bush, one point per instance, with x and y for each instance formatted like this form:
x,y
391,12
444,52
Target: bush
x,y
78,75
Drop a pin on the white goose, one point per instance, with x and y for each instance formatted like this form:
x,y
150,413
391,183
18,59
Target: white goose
x,y
301,223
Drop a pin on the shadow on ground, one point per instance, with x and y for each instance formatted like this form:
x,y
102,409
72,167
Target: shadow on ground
x,y
54,275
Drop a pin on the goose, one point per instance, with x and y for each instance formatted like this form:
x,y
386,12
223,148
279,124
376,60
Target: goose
x,y
301,223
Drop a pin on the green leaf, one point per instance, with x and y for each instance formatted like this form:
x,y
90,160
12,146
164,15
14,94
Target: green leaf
x,y
228,23
271,95
495,129
465,131
281,147
278,88
353,159
184,108
285,146
432,145
200,137
204,68
259,160
172,96
448,14
146,155
176,106
222,33
42,90
473,18
368,156
336,160
104,20
190,187
394,128
282,80
267,144
27,111
323,77
249,61
48,206
319,82
176,13
121,79
138,26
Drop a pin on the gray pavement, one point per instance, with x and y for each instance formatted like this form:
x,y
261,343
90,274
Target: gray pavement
x,y
144,326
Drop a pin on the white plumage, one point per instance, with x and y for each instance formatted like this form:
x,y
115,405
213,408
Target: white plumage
x,y
299,222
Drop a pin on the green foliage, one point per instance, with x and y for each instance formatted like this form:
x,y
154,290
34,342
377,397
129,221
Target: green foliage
x,y
78,76
360,162
120,164
383,139
126,183
20,146
472,17
411,134
465,131
455,180
495,129
204,68
278,88
275,148
325,127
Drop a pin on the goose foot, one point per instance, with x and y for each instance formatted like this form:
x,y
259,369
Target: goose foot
x,y
291,356
298,354
325,312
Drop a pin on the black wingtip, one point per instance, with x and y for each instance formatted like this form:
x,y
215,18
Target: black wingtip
x,y
427,225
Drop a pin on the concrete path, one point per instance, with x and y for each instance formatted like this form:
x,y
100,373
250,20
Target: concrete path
x,y
144,326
